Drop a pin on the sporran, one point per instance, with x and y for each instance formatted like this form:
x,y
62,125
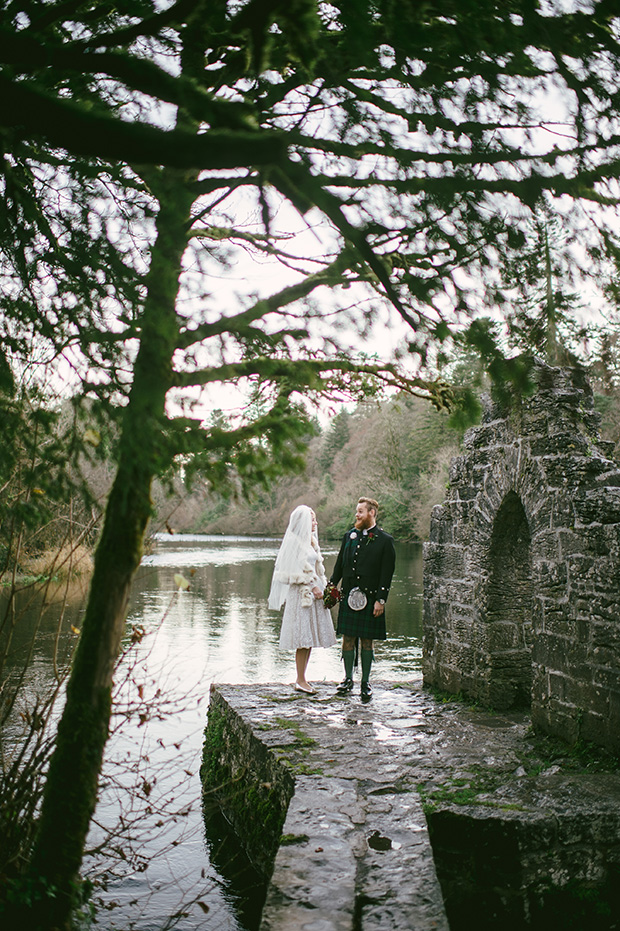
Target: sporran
x,y
357,600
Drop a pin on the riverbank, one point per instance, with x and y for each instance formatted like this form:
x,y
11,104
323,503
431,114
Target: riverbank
x,y
388,797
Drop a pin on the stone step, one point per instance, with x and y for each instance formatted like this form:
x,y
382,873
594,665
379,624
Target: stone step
x,y
354,849
362,861
326,794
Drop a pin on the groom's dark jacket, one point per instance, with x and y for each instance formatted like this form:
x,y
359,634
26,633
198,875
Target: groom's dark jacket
x,y
366,561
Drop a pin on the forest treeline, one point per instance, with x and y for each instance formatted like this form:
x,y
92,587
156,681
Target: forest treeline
x,y
398,451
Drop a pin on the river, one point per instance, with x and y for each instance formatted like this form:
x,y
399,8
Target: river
x,y
162,869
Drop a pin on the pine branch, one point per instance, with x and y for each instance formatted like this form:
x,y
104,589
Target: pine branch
x,y
238,323
82,132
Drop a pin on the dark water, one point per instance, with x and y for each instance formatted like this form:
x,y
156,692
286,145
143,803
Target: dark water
x,y
163,864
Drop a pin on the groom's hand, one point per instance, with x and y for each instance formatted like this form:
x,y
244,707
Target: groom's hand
x,y
378,609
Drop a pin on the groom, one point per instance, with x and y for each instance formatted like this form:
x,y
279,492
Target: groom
x,y
365,564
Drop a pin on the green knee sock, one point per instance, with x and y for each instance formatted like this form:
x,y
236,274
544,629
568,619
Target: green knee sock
x,y
349,657
367,658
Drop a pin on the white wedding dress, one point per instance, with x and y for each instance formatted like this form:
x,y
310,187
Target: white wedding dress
x,y
299,568
307,623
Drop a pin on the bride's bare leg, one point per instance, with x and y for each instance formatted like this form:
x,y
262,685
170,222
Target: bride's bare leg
x,y
302,655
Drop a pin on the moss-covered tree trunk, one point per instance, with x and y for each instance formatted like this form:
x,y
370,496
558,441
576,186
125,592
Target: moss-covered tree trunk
x,y
71,786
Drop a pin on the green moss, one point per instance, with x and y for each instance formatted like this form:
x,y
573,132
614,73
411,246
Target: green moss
x,y
450,698
296,754
463,790
577,905
287,840
303,769
212,772
254,794
583,756
538,754
263,808
301,739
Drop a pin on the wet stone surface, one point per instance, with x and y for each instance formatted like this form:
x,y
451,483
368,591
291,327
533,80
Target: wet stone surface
x,y
355,849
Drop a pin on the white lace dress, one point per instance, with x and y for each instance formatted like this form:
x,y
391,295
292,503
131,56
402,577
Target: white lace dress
x,y
306,621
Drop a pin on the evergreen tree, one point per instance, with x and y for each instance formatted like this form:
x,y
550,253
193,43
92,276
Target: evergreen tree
x,y
334,438
544,319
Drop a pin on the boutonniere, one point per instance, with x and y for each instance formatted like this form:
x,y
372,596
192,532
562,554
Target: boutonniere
x,y
370,536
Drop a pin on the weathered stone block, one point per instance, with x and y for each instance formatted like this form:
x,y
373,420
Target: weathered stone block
x,y
605,677
466,492
614,712
559,443
564,655
246,781
507,693
551,574
539,509
457,656
446,560
462,626
489,434
605,447
607,636
442,528
504,636
458,470
458,593
594,727
556,718
545,545
556,686
458,511
598,505
583,694
572,471
557,624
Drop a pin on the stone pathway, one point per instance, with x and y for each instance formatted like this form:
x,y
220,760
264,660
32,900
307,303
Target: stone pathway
x,y
356,851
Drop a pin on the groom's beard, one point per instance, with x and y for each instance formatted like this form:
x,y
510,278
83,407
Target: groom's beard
x,y
363,523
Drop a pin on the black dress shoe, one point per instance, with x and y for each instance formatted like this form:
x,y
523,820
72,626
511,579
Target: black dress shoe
x,y
345,687
366,691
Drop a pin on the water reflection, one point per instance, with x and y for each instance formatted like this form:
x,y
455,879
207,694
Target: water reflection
x,y
227,602
218,630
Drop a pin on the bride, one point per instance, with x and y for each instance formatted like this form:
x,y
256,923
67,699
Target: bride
x,y
298,583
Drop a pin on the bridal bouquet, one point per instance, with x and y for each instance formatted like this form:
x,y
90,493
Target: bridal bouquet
x,y
331,595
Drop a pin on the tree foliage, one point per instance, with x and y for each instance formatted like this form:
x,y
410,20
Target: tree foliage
x,y
424,137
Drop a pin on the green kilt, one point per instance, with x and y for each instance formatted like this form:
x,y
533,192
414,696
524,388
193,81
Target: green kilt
x,y
360,623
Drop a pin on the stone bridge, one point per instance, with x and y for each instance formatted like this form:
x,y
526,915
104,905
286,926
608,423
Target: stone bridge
x,y
522,571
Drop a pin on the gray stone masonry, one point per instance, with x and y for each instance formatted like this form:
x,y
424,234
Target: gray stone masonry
x,y
356,845
522,569
355,852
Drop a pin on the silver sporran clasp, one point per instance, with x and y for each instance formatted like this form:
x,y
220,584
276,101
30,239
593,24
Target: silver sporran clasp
x,y
357,600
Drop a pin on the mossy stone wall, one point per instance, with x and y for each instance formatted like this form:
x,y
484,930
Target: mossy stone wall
x,y
245,780
522,570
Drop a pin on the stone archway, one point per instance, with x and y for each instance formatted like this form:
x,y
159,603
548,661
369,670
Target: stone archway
x,y
508,614
522,569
